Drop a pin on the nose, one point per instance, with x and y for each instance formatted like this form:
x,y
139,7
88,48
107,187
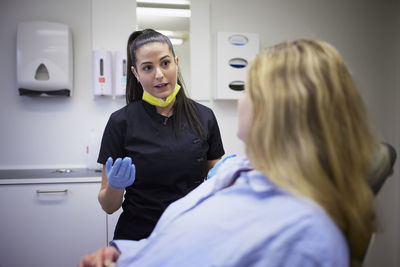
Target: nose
x,y
159,74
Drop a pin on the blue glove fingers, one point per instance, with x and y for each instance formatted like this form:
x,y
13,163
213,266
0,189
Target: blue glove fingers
x,y
116,167
109,164
124,170
132,174
214,169
121,174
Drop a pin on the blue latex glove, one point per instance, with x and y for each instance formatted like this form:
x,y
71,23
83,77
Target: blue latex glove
x,y
214,169
121,174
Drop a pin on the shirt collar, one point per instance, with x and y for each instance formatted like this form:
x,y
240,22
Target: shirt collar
x,y
258,181
240,168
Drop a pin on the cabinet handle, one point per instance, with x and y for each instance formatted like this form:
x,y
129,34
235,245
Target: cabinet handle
x,y
51,191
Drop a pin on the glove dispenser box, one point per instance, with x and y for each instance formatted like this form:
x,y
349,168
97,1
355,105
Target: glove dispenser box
x,y
234,52
102,72
120,69
44,59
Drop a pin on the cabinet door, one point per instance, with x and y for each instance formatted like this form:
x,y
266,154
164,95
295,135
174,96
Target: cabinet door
x,y
50,224
112,220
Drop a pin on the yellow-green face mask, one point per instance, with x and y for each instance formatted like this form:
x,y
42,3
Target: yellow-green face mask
x,y
155,101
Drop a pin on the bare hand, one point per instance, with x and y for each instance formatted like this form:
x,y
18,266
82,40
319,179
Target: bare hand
x,y
103,257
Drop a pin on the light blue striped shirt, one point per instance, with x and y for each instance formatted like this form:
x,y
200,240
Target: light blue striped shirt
x,y
239,218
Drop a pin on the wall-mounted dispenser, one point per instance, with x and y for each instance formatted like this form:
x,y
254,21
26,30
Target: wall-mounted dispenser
x,y
102,73
120,70
234,51
44,59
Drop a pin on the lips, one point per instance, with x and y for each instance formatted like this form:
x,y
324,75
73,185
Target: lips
x,y
161,86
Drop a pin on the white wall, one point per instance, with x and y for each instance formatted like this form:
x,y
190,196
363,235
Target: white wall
x,y
53,132
48,132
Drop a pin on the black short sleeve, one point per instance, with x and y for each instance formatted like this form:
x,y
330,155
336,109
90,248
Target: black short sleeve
x,y
216,149
112,143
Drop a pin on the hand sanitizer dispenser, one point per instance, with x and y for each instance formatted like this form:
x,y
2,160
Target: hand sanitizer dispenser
x,y
44,59
120,69
102,72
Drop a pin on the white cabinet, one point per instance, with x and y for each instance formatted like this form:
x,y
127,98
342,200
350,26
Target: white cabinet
x,y
50,224
112,220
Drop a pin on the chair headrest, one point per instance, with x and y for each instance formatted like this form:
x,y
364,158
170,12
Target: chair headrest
x,y
381,168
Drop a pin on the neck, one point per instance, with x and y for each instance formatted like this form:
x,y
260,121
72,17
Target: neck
x,y
166,111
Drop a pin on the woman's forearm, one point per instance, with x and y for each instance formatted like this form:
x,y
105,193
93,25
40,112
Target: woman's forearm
x,y
109,198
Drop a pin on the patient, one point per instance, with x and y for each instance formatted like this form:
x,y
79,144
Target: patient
x,y
299,198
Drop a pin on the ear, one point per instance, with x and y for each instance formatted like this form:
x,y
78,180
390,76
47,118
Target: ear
x,y
177,60
135,73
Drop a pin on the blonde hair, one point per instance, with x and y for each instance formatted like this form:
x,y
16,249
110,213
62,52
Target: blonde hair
x,y
310,133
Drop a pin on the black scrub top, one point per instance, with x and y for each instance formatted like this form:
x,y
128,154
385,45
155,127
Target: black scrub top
x,y
168,166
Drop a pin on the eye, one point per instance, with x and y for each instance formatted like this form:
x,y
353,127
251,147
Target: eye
x,y
165,63
146,67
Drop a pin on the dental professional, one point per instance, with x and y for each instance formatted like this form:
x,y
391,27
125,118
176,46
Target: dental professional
x,y
158,147
300,197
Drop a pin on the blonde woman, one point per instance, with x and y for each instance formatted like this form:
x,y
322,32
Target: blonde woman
x,y
310,133
299,198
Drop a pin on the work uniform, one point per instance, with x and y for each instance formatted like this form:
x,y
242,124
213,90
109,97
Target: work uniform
x,y
168,165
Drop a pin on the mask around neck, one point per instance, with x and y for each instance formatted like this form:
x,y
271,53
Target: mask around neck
x,y
158,102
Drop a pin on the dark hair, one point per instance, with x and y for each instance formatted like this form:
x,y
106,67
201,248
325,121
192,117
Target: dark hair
x,y
134,90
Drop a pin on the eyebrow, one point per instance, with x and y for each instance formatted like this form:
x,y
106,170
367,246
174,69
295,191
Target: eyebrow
x,y
161,59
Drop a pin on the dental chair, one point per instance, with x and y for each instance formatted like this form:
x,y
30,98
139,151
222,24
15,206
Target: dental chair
x,y
381,167
380,170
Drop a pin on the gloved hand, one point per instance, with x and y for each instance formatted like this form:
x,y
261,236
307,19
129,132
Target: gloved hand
x,y
214,169
121,174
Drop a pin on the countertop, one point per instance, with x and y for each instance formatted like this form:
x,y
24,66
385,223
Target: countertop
x,y
17,176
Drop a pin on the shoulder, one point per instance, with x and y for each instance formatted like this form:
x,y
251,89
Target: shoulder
x,y
202,109
126,112
301,234
205,114
313,236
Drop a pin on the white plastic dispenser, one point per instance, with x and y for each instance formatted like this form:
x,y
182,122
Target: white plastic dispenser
x,y
44,59
120,70
233,54
102,72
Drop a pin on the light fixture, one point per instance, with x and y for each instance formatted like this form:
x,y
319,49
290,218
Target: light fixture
x,y
168,12
176,41
167,2
166,33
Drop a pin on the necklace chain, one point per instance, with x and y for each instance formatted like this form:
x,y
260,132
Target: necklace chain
x,y
169,112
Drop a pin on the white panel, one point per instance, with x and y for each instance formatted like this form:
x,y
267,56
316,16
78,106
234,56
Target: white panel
x,y
112,23
234,52
200,63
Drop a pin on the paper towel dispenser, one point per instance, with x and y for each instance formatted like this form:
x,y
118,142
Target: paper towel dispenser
x,y
44,59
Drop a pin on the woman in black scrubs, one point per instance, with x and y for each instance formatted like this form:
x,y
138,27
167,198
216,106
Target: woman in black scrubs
x,y
171,140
